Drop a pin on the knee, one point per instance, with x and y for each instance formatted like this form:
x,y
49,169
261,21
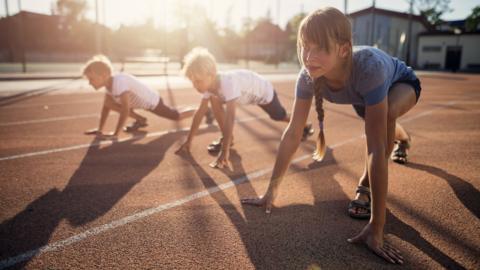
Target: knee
x,y
175,115
393,113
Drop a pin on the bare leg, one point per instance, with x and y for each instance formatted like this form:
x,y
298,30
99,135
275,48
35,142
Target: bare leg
x,y
401,99
364,181
400,133
171,113
398,95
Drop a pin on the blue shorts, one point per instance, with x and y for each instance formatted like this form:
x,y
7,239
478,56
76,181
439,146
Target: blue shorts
x,y
360,109
274,109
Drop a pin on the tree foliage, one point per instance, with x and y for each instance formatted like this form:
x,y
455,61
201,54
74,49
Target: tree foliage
x,y
473,20
433,10
74,10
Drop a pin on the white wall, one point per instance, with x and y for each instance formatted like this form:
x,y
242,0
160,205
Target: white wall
x,y
469,44
470,50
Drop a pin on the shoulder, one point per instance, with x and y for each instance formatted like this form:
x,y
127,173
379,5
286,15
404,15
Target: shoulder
x,y
371,64
240,73
369,59
304,86
120,78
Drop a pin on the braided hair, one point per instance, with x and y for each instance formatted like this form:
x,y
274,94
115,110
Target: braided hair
x,y
320,150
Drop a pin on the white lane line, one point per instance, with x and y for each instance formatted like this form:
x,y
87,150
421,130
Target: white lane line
x,y
147,212
155,210
45,120
87,145
99,100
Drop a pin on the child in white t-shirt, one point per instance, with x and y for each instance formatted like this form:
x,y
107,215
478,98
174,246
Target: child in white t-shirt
x,y
124,94
242,86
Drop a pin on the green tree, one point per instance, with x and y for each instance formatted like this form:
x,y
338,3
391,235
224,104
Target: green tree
x,y
433,10
73,10
473,19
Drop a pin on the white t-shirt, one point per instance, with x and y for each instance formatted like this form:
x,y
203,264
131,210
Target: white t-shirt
x,y
141,96
246,86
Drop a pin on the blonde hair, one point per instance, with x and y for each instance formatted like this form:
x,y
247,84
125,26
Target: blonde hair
x,y
324,27
99,64
199,61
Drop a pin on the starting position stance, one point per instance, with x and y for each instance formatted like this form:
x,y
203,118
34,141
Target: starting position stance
x,y
242,86
124,94
380,87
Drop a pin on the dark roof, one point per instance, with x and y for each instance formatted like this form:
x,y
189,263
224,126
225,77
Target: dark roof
x,y
389,13
31,16
446,33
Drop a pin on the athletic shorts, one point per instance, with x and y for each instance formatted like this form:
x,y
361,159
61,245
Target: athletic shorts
x,y
274,109
165,111
360,109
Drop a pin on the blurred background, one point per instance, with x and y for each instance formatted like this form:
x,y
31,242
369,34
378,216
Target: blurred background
x,y
152,36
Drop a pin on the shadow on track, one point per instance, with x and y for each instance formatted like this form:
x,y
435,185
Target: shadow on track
x,y
465,192
304,236
105,175
4,101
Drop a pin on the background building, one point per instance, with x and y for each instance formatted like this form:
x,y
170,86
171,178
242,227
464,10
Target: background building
x,y
388,31
449,50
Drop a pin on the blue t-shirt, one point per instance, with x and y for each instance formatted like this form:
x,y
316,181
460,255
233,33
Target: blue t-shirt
x,y
373,74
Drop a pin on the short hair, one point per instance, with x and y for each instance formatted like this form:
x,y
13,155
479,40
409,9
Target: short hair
x,y
199,61
99,64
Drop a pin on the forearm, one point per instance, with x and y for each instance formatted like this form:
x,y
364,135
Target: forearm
x,y
197,119
288,145
378,173
103,118
227,133
121,120
219,114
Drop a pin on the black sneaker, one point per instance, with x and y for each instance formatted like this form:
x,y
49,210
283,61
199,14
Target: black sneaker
x,y
135,126
307,132
216,146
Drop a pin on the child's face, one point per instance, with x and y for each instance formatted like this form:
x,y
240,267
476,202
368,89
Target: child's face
x,y
318,61
97,81
203,82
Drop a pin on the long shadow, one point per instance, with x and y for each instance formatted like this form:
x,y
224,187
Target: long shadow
x,y
308,145
287,239
308,236
4,101
394,225
409,234
465,191
104,176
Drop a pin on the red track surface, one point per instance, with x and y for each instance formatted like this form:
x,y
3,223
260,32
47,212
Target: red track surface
x,y
46,198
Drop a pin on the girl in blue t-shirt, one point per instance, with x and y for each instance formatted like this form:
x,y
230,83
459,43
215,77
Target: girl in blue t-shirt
x,y
381,89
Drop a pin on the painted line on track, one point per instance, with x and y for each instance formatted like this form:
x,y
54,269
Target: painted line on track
x,y
87,145
91,100
46,120
155,210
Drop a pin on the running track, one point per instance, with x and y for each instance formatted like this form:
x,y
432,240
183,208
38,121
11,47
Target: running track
x,y
70,202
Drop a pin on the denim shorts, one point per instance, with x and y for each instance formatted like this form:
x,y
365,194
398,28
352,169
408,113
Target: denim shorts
x,y
360,109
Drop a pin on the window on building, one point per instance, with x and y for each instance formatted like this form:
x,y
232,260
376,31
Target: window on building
x,y
431,48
